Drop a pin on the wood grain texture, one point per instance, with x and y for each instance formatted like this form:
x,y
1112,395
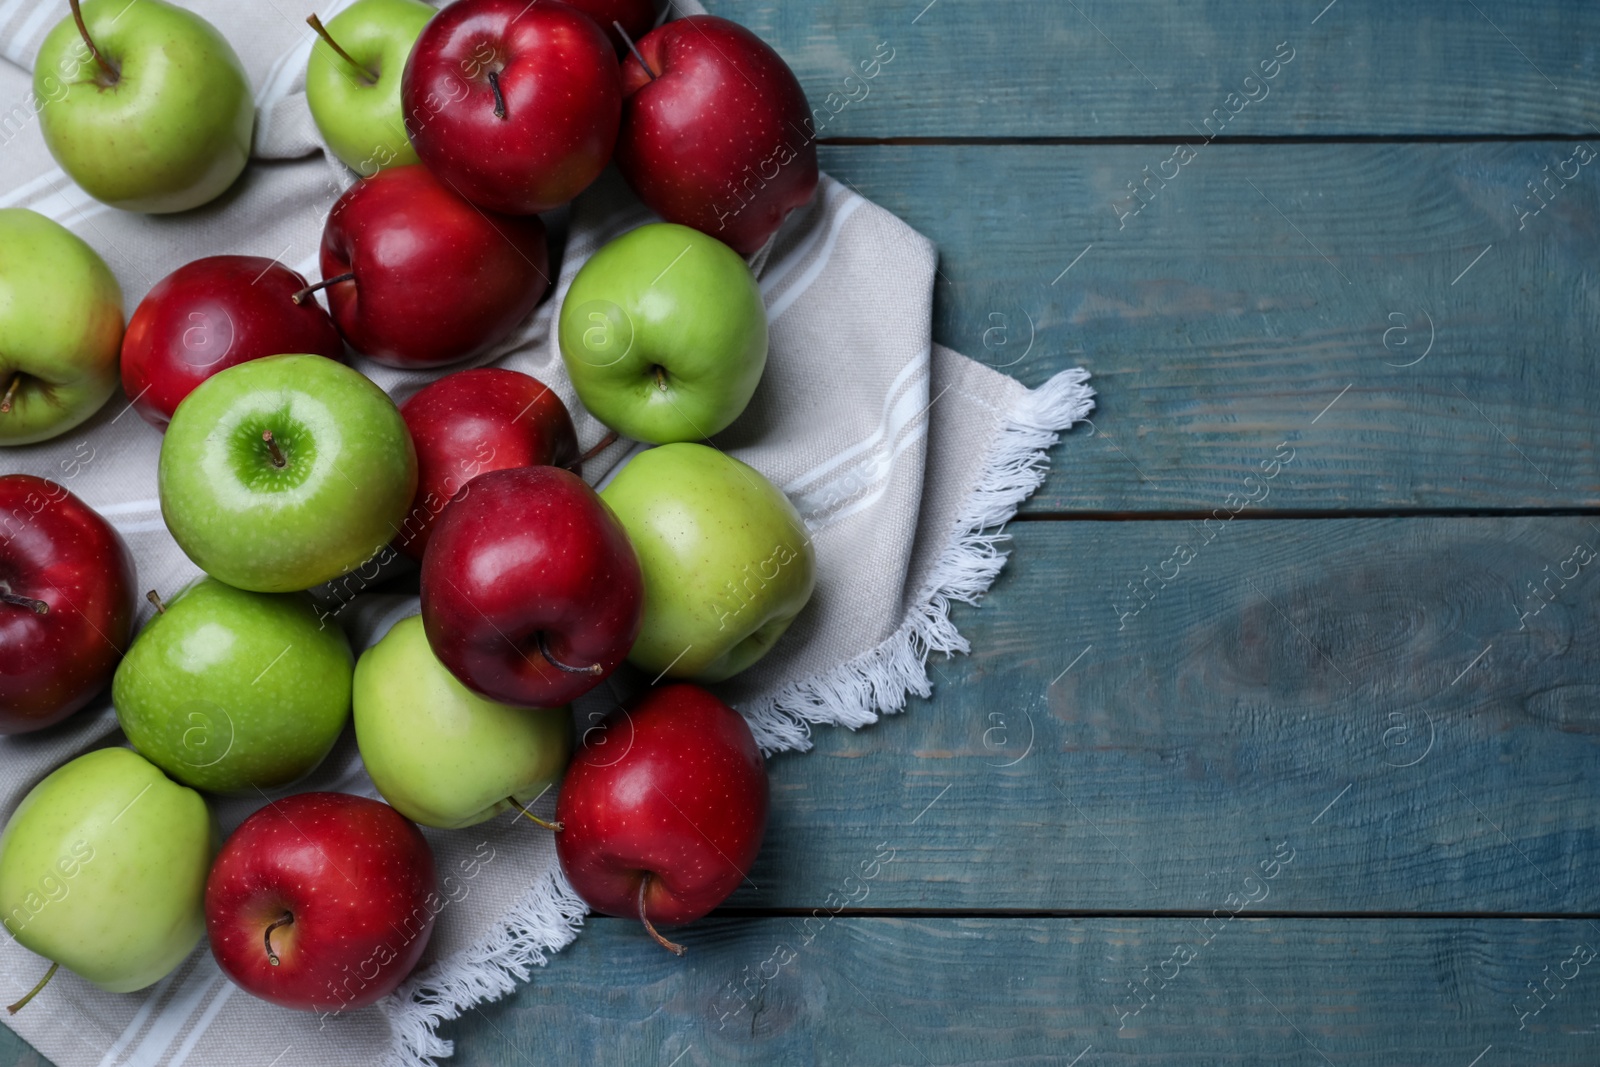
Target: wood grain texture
x,y
1026,993
1324,682
1130,68
1254,290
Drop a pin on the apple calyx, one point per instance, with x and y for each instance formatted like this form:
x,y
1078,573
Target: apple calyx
x,y
553,827
109,75
594,669
634,49
51,973
279,460
38,607
322,31
11,391
671,946
301,297
266,938
499,97
155,598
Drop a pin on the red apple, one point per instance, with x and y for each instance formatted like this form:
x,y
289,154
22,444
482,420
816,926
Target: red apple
x,y
476,421
67,600
531,591
514,105
322,901
663,808
213,314
717,133
637,17
431,278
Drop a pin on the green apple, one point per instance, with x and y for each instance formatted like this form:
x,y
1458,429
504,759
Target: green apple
x,y
60,329
235,692
727,560
357,104
103,868
664,334
283,473
152,110
440,754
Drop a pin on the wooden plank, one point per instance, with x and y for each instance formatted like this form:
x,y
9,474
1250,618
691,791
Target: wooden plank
x,y
1055,991
1257,288
1366,690
1123,68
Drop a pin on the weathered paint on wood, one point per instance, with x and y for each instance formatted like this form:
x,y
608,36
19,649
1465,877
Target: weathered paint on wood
x,y
1146,711
1264,284
1150,68
1031,992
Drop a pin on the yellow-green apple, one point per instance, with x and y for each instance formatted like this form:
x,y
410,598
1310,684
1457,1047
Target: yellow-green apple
x,y
669,827
102,869
664,334
235,692
66,602
728,562
440,753
60,328
353,81
286,472
157,113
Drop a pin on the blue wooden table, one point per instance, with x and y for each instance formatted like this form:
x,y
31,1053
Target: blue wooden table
x,y
1281,739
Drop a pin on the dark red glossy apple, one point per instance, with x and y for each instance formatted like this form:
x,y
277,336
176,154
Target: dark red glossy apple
x,y
476,421
67,603
213,314
720,138
322,901
431,278
638,17
514,105
663,808
531,591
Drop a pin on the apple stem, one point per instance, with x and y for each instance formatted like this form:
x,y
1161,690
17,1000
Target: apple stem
x,y
600,446
322,31
544,650
499,97
155,598
300,297
51,973
112,74
278,459
661,377
553,827
287,920
11,391
38,607
635,50
671,946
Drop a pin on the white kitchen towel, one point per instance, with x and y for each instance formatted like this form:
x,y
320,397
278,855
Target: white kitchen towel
x,y
905,458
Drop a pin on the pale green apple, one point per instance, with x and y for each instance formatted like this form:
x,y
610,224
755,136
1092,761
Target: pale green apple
x,y
235,692
103,869
60,328
440,754
327,492
727,560
664,334
167,127
357,107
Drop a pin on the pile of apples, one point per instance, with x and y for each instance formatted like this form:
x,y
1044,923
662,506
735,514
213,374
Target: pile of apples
x,y
283,469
